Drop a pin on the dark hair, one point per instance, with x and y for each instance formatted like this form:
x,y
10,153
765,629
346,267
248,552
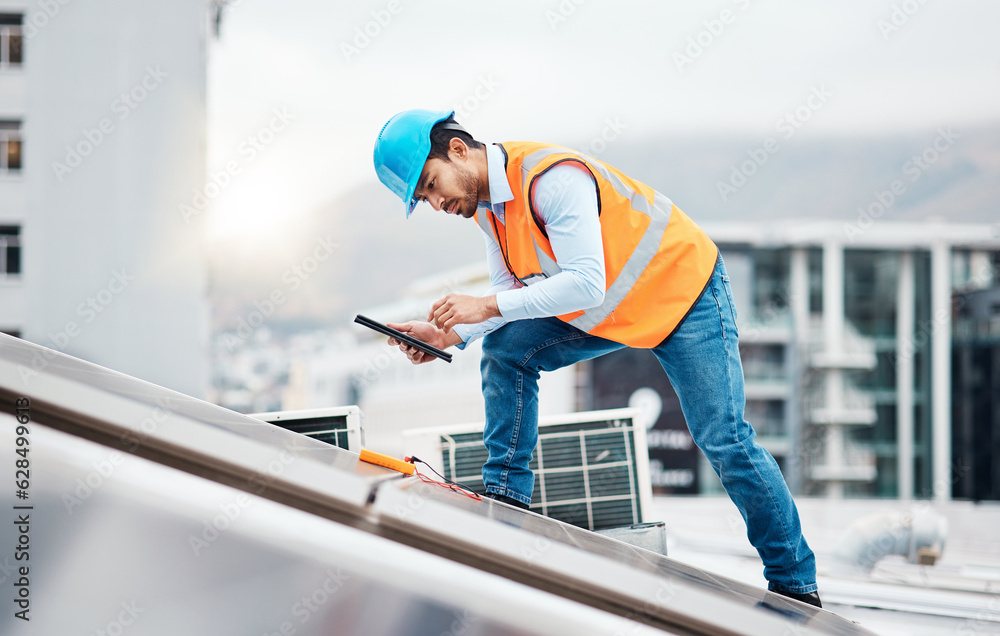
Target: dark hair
x,y
442,136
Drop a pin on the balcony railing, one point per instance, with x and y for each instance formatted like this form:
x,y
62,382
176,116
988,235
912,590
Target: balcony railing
x,y
983,329
858,465
856,407
856,351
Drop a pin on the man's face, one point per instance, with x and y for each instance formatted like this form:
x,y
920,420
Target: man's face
x,y
450,186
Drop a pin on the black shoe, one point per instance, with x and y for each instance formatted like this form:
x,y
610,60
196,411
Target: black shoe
x,y
812,598
507,500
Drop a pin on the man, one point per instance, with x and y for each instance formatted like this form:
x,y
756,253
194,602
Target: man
x,y
583,261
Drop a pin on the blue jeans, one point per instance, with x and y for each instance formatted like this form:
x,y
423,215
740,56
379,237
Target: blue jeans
x,y
702,361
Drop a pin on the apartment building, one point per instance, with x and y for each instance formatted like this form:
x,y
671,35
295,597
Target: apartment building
x,y
102,140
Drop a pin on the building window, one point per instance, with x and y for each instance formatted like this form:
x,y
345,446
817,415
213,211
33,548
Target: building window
x,y
771,280
10,146
10,250
767,417
11,40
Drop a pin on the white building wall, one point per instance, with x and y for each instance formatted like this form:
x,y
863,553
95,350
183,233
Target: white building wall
x,y
13,192
114,143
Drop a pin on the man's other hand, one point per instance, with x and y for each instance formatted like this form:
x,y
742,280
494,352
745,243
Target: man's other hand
x,y
459,309
427,333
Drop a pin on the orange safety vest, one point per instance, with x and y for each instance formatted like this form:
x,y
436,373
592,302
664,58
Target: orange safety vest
x,y
657,261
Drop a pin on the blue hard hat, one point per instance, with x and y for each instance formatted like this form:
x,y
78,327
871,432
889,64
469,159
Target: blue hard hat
x,y
402,148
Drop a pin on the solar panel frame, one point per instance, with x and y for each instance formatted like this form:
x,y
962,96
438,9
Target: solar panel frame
x,y
143,529
138,417
106,407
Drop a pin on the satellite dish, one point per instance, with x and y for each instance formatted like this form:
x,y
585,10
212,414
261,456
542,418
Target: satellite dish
x,y
649,402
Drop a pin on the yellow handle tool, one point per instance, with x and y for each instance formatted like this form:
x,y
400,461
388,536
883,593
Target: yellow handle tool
x,y
385,460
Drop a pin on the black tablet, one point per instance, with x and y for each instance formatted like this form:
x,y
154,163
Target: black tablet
x,y
402,337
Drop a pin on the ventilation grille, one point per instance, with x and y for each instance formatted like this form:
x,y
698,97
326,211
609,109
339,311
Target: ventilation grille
x,y
585,472
332,430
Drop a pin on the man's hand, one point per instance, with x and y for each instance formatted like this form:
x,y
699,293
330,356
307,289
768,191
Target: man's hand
x,y
423,331
458,309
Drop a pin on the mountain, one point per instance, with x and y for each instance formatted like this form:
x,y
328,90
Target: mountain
x,y
951,174
831,178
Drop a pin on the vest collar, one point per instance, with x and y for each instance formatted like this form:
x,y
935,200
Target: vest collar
x,y
496,169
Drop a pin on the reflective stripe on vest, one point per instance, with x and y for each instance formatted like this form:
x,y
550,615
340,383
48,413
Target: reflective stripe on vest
x,y
547,263
657,260
659,216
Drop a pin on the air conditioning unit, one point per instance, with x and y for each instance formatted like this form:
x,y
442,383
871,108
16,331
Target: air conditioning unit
x,y
591,469
339,425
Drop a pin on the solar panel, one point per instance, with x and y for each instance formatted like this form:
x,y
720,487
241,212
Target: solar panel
x,y
602,572
137,417
155,550
299,480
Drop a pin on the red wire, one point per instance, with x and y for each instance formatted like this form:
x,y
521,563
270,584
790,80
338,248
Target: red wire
x,y
452,487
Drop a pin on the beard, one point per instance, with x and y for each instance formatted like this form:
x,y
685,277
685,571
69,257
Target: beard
x,y
469,203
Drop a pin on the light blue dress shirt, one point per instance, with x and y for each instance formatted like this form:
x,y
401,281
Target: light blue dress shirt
x,y
565,198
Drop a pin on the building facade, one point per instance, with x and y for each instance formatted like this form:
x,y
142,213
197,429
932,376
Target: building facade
x,y
102,139
976,386
847,342
13,199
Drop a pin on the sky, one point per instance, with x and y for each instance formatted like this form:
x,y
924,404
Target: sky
x,y
299,89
